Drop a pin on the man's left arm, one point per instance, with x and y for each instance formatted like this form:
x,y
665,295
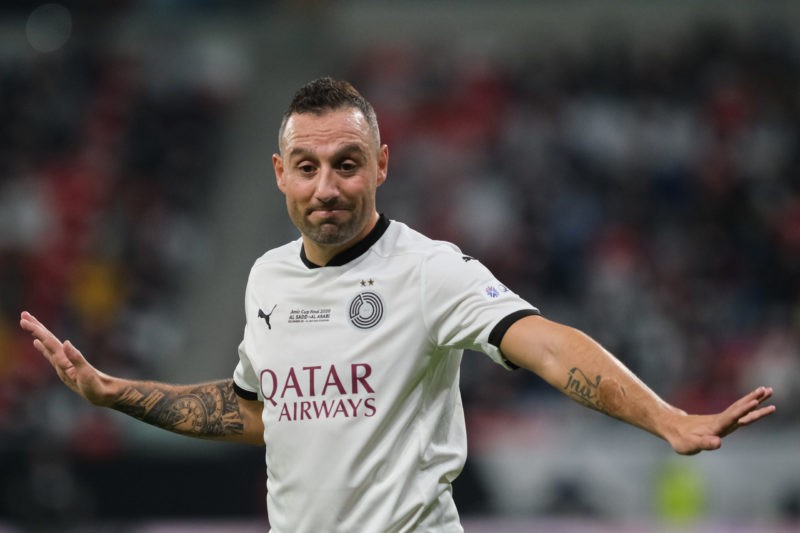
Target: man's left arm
x,y
577,365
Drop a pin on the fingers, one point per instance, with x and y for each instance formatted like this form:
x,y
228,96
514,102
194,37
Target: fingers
x,y
40,347
762,393
63,356
45,341
758,414
747,403
710,442
74,356
28,321
697,444
745,411
72,360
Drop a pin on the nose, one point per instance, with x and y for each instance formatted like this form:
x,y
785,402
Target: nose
x,y
327,190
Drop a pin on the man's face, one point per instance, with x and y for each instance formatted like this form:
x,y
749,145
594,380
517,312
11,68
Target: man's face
x,y
329,169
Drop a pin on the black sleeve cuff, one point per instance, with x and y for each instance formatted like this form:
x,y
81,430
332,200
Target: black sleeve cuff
x,y
244,394
499,331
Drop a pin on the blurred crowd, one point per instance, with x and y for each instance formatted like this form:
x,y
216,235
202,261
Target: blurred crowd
x,y
107,164
649,196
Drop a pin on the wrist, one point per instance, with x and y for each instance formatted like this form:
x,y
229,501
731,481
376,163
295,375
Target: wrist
x,y
108,392
669,429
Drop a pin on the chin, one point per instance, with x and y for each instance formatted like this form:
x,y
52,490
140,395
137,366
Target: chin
x,y
328,235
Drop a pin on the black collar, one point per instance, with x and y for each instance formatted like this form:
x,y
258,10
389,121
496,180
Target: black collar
x,y
345,256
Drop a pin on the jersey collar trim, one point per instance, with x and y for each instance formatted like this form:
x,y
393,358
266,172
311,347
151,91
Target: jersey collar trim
x,y
355,251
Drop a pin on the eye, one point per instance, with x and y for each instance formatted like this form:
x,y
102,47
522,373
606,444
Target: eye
x,y
306,168
348,166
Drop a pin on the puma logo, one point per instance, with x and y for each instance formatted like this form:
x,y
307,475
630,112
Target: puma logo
x,y
265,316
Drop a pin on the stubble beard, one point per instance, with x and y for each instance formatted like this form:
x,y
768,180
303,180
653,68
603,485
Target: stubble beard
x,y
331,232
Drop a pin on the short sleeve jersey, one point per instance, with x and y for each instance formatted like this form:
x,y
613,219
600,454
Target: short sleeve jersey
x,y
357,364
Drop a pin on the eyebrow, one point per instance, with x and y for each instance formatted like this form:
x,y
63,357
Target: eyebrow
x,y
344,150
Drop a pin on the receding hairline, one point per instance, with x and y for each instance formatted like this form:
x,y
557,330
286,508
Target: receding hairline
x,y
320,112
324,95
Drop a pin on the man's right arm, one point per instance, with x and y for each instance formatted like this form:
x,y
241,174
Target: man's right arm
x,y
207,410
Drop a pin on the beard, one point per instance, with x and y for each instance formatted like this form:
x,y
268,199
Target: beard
x,y
332,231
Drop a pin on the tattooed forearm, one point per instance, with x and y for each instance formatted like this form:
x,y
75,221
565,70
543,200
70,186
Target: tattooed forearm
x,y
604,395
207,410
583,389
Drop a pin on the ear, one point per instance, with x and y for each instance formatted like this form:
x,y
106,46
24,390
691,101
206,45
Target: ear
x,y
383,164
277,164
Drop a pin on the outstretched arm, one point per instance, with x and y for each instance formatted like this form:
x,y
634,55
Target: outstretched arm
x,y
206,410
577,365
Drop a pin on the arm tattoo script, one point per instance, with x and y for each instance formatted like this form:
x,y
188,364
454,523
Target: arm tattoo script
x,y
583,389
207,410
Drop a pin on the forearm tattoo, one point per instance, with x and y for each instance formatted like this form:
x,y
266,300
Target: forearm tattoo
x,y
207,410
601,394
583,389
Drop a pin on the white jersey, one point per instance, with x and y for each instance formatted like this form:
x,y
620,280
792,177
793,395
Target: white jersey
x,y
357,364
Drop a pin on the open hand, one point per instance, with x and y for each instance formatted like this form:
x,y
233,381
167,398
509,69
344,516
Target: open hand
x,y
69,363
697,433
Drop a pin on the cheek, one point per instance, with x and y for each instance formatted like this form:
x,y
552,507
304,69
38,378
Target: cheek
x,y
297,192
361,189
294,207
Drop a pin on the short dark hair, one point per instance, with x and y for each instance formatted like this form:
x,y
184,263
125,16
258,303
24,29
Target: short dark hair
x,y
328,94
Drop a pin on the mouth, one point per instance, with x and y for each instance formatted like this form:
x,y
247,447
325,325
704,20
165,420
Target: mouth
x,y
327,212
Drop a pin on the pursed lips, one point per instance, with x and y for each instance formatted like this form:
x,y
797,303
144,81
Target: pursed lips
x,y
327,210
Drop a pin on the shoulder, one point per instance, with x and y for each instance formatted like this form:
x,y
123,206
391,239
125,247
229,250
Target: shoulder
x,y
400,239
441,264
279,257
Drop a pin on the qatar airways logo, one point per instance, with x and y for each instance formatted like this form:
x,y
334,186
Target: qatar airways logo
x,y
319,392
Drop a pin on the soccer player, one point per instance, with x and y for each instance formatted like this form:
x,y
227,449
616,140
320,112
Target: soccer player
x,y
349,363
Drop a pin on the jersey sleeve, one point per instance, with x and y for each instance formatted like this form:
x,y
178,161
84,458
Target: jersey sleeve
x,y
466,307
245,380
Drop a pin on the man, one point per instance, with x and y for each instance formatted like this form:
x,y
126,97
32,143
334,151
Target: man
x,y
348,369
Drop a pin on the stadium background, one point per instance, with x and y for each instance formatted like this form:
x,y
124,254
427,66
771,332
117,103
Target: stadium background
x,y
631,168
